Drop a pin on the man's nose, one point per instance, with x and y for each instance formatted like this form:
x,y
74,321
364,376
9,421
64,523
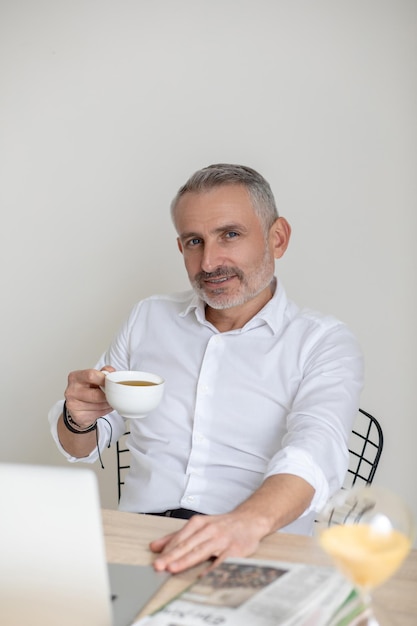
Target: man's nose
x,y
212,257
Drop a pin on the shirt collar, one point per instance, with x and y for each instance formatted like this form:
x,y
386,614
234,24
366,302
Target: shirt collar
x,y
195,304
274,310
271,314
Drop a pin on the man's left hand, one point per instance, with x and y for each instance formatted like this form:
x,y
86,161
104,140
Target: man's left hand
x,y
207,537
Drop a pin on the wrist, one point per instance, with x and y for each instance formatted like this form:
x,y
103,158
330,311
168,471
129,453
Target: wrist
x,y
72,426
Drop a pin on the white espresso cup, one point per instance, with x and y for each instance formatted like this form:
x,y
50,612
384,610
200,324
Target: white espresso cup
x,y
133,394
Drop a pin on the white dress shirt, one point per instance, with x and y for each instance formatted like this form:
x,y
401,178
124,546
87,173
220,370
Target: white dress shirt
x,y
276,396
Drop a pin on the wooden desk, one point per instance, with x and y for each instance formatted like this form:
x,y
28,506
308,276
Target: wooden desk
x,y
128,535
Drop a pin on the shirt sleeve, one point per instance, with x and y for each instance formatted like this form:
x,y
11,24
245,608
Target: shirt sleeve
x,y
321,417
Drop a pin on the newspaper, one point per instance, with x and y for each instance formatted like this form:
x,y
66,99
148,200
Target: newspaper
x,y
262,593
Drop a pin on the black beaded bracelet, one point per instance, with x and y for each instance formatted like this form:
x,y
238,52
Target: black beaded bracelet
x,y
69,423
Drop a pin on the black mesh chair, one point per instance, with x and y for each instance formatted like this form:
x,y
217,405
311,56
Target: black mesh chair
x,y
123,461
365,448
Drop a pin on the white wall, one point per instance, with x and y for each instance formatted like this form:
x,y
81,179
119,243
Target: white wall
x,y
108,105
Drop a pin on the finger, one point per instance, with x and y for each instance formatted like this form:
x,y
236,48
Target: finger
x,y
178,536
86,378
86,396
213,563
166,544
196,531
157,545
182,557
191,546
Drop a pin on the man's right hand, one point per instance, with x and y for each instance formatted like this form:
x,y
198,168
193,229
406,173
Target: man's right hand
x,y
86,402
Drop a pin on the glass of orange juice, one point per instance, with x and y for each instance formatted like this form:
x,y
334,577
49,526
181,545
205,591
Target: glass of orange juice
x,y
368,531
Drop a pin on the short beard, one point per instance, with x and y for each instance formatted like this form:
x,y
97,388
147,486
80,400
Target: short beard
x,y
216,301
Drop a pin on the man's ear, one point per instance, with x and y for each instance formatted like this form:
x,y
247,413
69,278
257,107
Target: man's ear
x,y
280,233
179,244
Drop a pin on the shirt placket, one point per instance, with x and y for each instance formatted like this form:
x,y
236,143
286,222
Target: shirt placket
x,y
202,423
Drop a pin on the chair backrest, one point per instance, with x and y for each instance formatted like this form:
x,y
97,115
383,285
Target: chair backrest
x,y
365,448
123,461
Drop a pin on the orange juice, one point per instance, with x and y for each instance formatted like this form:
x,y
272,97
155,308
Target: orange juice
x,y
365,555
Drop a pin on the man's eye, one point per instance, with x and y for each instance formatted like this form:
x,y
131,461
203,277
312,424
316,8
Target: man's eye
x,y
194,242
232,234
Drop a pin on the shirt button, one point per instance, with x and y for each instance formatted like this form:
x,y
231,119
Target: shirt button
x,y
190,498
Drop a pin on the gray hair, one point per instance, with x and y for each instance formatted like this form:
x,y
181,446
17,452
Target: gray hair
x,y
226,174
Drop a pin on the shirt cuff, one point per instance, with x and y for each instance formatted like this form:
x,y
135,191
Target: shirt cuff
x,y
292,460
102,431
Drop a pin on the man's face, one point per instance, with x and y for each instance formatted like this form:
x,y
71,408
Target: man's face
x,y
228,257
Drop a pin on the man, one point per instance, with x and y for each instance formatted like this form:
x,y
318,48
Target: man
x,y
260,396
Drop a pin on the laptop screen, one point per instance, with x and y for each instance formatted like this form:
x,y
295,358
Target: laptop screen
x,y
53,567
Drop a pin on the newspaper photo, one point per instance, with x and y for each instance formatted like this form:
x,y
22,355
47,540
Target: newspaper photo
x,y
259,593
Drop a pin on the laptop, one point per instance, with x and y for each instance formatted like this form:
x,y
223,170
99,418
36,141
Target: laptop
x,y
53,567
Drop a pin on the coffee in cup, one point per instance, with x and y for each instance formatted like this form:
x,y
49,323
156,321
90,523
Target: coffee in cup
x,y
133,394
